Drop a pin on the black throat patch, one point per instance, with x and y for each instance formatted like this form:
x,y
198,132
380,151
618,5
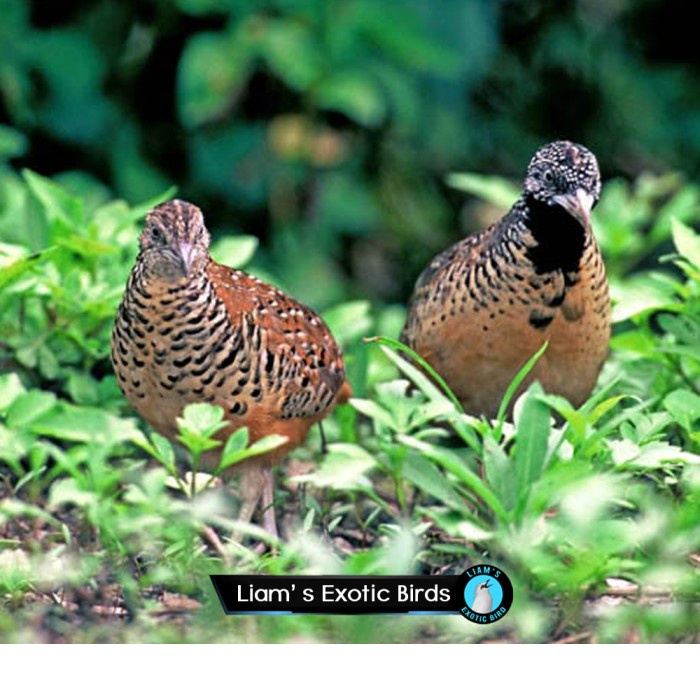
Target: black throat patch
x,y
560,238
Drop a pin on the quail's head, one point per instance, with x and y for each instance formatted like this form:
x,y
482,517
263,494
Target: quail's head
x,y
174,243
565,174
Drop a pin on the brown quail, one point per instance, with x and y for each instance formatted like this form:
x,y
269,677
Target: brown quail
x,y
189,330
484,306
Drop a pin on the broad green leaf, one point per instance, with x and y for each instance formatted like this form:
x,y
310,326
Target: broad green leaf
x,y
13,143
28,407
158,447
213,69
349,321
291,50
431,411
641,293
427,477
69,491
86,424
344,467
687,242
236,442
14,445
235,251
380,415
402,36
57,202
684,406
261,447
494,190
10,388
354,94
202,419
83,389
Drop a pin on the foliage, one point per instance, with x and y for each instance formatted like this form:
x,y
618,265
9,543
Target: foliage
x,y
573,503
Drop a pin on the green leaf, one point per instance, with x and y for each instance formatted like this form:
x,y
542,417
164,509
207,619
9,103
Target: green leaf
x,y
28,407
14,445
237,441
402,36
83,389
11,271
13,143
419,378
198,424
202,419
86,424
427,477
353,94
235,251
500,472
57,202
495,190
452,463
379,415
344,467
687,242
641,293
69,491
513,387
290,49
684,406
158,447
262,446
349,321
213,69
10,388
531,440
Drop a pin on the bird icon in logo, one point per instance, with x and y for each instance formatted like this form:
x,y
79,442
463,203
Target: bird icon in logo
x,y
483,602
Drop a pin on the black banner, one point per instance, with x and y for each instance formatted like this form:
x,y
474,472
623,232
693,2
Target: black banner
x,y
348,595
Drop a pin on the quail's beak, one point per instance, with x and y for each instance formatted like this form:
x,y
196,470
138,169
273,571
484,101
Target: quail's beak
x,y
186,251
578,204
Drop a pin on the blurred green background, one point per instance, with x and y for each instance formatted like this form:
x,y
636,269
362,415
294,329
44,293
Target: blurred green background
x,y
326,127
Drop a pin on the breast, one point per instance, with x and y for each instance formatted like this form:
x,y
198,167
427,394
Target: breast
x,y
167,347
479,342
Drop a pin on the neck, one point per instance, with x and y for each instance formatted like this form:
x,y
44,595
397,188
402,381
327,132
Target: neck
x,y
559,238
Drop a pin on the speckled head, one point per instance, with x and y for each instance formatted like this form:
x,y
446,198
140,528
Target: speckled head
x,y
565,174
174,242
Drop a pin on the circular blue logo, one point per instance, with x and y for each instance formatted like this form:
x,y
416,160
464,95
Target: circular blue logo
x,y
487,594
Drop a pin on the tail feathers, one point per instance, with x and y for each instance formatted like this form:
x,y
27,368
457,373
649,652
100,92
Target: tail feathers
x,y
345,393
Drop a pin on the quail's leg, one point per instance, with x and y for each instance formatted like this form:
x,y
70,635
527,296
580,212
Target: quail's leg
x,y
267,503
257,488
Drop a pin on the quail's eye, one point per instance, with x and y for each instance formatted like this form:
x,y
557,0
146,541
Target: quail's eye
x,y
156,234
548,176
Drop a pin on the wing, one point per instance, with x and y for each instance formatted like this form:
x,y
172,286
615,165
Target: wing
x,y
296,367
438,280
